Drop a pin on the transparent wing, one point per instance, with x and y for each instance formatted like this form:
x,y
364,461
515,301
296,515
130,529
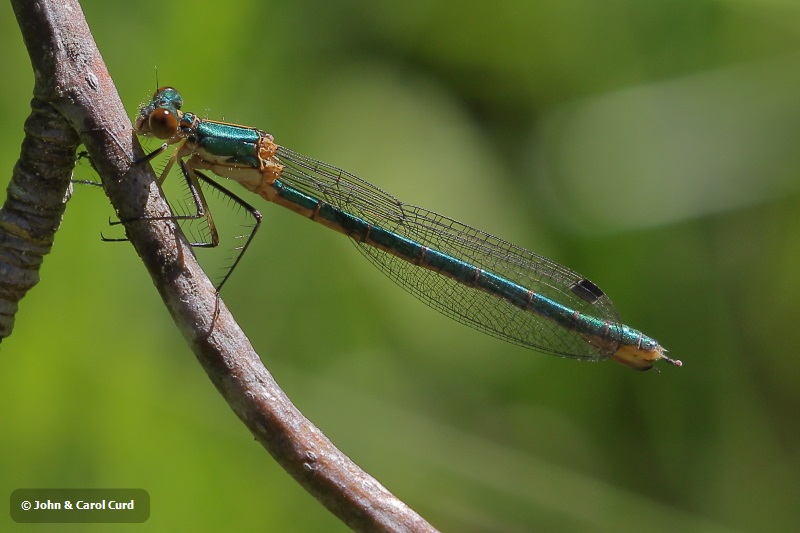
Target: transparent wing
x,y
465,304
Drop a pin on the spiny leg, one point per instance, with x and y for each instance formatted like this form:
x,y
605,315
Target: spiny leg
x,y
192,176
247,207
196,196
83,154
151,155
201,206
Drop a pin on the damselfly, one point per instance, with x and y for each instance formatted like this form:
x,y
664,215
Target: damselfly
x,y
471,276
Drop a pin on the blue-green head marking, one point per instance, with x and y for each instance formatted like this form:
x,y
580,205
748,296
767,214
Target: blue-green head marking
x,y
161,116
167,97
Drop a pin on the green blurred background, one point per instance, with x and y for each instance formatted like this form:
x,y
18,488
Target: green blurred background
x,y
651,146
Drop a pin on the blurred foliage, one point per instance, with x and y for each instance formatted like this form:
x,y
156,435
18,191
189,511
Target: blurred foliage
x,y
650,146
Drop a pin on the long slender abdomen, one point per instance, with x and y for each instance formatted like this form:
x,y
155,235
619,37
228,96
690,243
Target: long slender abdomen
x,y
434,260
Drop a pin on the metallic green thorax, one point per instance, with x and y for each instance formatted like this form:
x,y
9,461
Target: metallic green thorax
x,y
236,144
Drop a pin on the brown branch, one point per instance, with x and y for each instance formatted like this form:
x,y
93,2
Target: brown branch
x,y
35,201
76,92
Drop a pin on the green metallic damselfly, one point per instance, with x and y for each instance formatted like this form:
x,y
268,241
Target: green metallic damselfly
x,y
471,276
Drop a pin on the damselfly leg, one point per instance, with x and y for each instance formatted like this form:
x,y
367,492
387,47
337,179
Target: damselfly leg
x,y
200,210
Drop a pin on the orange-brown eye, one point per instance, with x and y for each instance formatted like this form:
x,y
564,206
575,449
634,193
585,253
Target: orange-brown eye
x,y
163,123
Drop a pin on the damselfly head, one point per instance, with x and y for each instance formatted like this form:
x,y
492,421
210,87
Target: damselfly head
x,y
160,117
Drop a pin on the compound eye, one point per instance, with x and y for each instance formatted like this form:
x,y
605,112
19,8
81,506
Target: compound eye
x,y
163,123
